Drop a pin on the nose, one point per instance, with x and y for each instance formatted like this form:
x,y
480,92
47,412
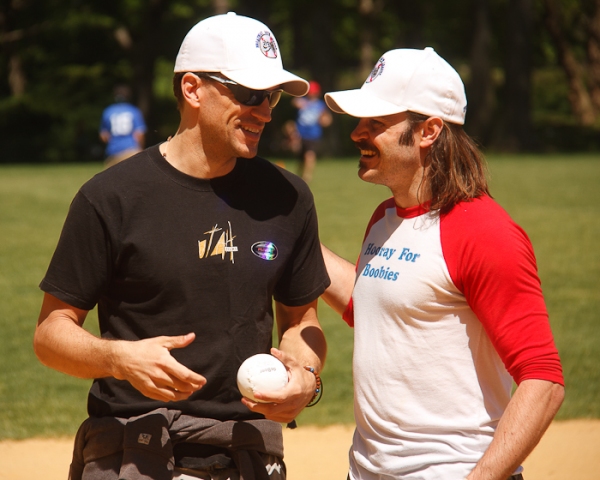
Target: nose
x,y
359,131
262,112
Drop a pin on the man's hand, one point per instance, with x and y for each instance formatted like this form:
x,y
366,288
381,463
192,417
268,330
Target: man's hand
x,y
284,405
149,366
61,343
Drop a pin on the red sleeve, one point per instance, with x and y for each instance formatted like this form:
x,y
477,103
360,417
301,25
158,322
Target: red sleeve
x,y
491,260
378,214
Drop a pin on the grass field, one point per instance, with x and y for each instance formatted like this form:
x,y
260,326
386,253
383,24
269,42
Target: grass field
x,y
555,198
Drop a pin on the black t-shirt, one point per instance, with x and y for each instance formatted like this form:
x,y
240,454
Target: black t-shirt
x,y
163,253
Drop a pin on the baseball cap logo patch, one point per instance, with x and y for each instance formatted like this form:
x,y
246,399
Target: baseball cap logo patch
x,y
267,44
377,70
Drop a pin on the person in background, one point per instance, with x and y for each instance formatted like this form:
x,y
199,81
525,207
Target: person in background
x,y
122,128
312,117
445,299
191,249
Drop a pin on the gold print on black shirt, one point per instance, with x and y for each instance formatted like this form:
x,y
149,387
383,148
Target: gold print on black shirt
x,y
222,246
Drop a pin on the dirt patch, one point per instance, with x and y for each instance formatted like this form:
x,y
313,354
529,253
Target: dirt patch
x,y
569,450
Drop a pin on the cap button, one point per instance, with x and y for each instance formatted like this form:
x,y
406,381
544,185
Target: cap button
x,y
231,14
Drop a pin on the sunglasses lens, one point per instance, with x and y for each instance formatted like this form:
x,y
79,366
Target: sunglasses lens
x,y
252,98
244,95
274,98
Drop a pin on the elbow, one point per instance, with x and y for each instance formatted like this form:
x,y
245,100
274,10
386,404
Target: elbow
x,y
557,395
38,346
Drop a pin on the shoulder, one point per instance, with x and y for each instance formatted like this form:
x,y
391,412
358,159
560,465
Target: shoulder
x,y
265,190
121,177
479,236
260,171
479,217
379,213
382,208
481,223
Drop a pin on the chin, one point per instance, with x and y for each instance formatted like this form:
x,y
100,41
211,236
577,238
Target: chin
x,y
368,175
247,152
363,171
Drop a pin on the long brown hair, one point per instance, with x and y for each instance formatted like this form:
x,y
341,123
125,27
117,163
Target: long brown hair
x,y
457,169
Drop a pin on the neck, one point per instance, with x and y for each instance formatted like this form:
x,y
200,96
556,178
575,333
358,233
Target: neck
x,y
415,192
187,157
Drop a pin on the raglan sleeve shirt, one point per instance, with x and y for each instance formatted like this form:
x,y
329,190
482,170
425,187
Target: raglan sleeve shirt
x,y
491,261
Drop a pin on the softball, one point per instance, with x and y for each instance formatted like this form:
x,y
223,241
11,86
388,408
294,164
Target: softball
x,y
261,373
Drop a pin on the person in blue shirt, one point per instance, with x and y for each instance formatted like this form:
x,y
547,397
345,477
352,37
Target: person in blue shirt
x,y
313,115
122,128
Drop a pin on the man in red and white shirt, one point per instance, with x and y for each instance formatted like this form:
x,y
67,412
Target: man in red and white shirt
x,y
445,298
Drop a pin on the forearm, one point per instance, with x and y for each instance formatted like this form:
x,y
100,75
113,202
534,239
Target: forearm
x,y
528,415
301,344
305,340
61,344
342,275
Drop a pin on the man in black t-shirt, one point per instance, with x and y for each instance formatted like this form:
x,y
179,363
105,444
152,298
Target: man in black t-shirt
x,y
183,248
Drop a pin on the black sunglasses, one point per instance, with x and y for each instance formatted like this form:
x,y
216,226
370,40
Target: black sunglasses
x,y
244,95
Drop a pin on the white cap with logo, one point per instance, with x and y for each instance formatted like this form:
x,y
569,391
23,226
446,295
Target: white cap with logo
x,y
403,80
242,49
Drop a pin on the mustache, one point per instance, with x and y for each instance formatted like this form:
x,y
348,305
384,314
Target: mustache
x,y
363,145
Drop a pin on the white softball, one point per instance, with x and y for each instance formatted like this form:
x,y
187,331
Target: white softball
x,y
261,373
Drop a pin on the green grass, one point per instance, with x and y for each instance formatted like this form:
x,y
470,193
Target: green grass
x,y
555,198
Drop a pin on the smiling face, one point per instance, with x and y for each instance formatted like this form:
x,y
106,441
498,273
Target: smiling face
x,y
386,157
228,128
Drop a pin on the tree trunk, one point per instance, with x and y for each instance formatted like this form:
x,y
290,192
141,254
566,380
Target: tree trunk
x,y
579,98
480,89
143,58
220,6
368,10
516,133
593,51
17,81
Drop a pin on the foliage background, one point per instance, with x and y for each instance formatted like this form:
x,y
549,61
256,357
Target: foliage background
x,y
60,59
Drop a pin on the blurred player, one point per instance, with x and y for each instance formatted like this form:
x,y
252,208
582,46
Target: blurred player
x,y
312,117
122,128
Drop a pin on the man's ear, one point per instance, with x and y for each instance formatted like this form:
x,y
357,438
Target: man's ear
x,y
190,85
430,131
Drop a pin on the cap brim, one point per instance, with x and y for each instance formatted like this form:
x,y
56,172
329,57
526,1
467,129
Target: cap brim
x,y
360,103
268,80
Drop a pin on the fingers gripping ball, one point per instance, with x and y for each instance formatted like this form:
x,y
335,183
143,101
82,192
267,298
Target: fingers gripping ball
x,y
261,373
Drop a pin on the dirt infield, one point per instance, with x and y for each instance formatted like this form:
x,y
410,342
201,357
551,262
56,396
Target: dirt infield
x,y
569,450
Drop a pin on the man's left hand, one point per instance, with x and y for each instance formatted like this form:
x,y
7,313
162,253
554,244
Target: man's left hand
x,y
284,405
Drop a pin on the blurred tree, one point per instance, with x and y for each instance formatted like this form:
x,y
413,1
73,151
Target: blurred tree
x,y
593,52
369,11
514,130
584,87
480,87
59,61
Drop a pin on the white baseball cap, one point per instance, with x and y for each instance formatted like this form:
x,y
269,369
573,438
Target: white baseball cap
x,y
242,49
403,80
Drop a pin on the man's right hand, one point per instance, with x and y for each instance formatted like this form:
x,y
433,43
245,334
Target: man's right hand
x,y
149,366
61,343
